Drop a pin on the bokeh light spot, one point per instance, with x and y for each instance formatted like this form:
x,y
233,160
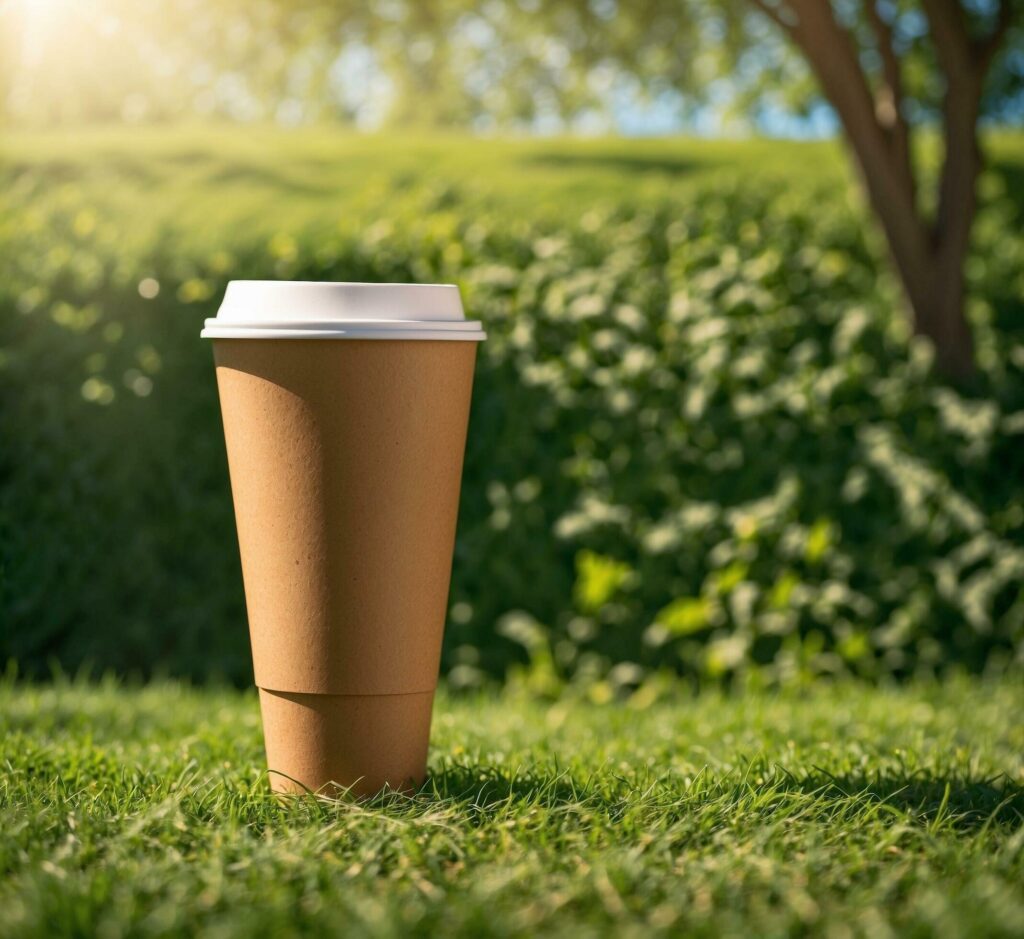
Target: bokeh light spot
x,y
97,391
149,287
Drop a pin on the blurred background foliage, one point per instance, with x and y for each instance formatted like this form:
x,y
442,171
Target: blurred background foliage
x,y
701,440
523,64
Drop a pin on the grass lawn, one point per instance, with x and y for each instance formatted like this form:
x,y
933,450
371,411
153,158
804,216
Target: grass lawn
x,y
838,810
201,187
212,184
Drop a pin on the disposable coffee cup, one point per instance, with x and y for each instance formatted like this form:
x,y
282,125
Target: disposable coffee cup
x,y
345,410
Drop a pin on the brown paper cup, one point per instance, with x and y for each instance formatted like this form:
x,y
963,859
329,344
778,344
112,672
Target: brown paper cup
x,y
345,460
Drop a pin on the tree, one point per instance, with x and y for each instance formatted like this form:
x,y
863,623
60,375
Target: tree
x,y
928,252
888,68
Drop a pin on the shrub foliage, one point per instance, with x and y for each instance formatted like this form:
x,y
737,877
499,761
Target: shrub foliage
x,y
701,439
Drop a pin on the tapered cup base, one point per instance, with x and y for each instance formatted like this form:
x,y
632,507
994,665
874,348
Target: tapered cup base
x,y
334,745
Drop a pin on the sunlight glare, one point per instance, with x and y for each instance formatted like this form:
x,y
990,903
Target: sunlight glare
x,y
44,22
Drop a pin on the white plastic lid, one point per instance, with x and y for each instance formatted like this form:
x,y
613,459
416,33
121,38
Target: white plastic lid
x,y
298,309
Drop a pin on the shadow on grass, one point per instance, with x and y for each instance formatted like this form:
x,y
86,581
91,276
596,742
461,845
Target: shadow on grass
x,y
616,162
265,176
489,787
964,803
60,170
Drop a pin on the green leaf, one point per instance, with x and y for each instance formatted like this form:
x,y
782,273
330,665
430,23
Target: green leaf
x,y
598,578
723,582
782,590
686,615
819,539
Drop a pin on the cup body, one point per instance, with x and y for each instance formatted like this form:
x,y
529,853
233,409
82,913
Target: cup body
x,y
345,460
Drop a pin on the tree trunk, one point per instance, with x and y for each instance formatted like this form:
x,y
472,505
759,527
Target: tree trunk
x,y
929,258
941,315
934,281
930,263
941,318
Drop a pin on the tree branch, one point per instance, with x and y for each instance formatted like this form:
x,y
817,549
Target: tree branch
x,y
987,48
890,112
774,13
961,163
890,64
832,55
950,35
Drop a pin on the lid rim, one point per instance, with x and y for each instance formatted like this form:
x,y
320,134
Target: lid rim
x,y
255,309
344,283
396,325
377,334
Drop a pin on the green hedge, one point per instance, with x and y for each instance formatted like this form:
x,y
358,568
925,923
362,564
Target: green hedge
x,y
700,439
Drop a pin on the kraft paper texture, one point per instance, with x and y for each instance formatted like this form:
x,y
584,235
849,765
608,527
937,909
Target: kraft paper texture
x,y
331,744
345,459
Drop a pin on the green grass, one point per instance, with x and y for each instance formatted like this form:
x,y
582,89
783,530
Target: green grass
x,y
208,182
208,185
838,811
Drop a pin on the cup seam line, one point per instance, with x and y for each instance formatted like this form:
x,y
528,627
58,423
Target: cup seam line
x,y
350,694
